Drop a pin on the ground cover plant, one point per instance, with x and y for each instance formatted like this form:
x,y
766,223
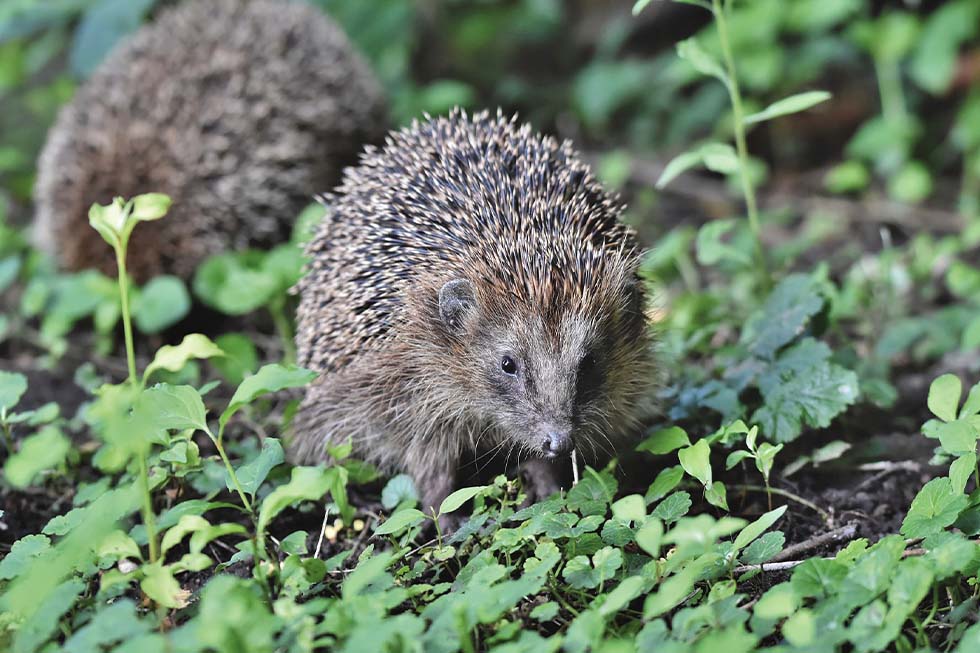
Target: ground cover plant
x,y
807,176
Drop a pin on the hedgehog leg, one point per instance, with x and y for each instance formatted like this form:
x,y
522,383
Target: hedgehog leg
x,y
434,480
542,478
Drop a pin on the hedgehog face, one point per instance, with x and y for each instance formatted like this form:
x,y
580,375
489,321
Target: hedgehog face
x,y
539,379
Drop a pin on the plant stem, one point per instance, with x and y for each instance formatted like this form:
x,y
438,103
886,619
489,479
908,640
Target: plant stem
x,y
231,470
149,520
890,89
738,127
787,494
124,299
278,311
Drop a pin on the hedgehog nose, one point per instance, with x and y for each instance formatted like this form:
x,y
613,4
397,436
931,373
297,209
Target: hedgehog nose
x,y
556,443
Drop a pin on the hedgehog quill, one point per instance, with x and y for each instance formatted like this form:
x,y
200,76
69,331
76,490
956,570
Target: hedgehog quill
x,y
239,111
472,292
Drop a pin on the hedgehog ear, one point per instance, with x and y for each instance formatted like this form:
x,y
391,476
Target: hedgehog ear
x,y
456,299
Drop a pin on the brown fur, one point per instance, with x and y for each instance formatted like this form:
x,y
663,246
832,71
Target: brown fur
x,y
464,240
239,110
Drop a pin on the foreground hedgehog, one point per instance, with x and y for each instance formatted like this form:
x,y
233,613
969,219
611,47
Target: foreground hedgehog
x,y
239,111
472,291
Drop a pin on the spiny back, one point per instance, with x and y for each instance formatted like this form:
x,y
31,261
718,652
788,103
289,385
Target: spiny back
x,y
238,109
478,197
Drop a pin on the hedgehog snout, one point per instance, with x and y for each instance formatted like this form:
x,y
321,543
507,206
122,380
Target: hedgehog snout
x,y
556,441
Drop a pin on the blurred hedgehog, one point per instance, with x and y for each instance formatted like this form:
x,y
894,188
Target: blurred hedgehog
x,y
239,110
472,292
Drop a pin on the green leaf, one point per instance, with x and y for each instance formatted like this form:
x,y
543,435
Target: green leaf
x,y
305,484
720,158
592,494
765,457
400,488
679,165
764,548
711,249
717,157
784,315
270,378
696,461
188,524
21,555
9,268
240,360
800,629
786,106
103,25
454,501
172,408
664,441
236,283
972,404
691,51
173,358
44,450
150,206
109,220
777,602
758,527
957,437
650,536
736,457
12,387
579,573
161,303
944,396
43,624
911,184
665,482
252,474
960,471
401,520
717,495
847,177
631,508
673,507
160,585
796,394
934,508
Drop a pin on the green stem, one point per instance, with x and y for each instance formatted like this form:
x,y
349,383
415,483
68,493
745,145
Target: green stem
x,y
787,494
738,126
229,468
8,438
149,520
124,299
285,330
889,78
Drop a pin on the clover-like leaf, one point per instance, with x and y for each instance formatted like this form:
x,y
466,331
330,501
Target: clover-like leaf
x,y
944,396
696,461
935,507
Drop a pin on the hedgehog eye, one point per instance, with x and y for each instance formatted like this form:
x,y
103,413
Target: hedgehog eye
x,y
508,365
588,378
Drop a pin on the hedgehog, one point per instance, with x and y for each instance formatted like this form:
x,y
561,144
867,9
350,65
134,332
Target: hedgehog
x,y
239,110
472,292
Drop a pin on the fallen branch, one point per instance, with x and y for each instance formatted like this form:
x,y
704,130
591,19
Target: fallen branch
x,y
843,533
